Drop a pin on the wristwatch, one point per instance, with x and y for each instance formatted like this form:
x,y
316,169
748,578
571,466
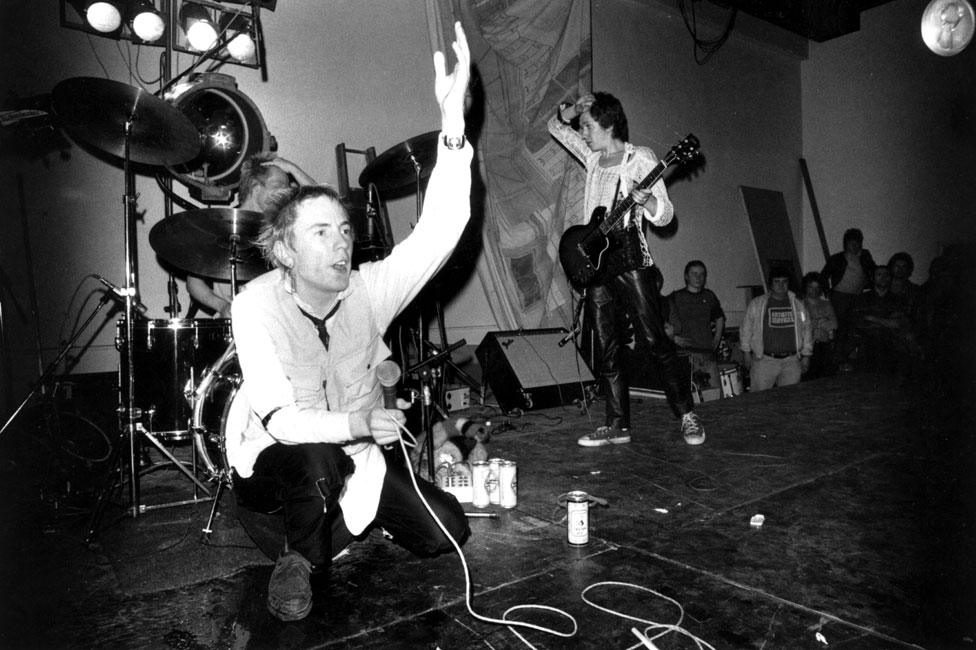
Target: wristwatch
x,y
454,141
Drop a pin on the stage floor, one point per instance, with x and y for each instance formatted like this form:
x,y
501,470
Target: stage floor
x,y
866,489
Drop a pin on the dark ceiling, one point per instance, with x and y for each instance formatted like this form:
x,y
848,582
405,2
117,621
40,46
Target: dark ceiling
x,y
818,20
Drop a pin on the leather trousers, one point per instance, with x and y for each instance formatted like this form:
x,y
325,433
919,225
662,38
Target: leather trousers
x,y
635,294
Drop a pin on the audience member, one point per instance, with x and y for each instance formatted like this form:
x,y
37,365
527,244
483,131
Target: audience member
x,y
901,266
698,321
846,274
883,333
823,323
775,336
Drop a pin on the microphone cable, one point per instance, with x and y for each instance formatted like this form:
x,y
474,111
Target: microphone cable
x,y
468,595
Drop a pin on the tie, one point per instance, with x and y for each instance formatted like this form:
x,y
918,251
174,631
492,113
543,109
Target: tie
x,y
320,323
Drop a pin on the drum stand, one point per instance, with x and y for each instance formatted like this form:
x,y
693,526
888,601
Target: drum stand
x,y
129,433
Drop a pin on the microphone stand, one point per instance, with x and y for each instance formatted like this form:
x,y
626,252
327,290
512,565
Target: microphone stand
x,y
577,322
428,387
49,371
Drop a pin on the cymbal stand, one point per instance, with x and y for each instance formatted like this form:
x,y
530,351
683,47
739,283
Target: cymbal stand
x,y
128,435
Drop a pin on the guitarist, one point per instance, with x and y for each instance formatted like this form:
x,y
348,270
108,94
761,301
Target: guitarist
x,y
613,167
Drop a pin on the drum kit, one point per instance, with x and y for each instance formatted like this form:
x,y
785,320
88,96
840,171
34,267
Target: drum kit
x,y
178,377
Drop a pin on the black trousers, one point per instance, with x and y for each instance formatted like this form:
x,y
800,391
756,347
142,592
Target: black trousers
x,y
635,293
306,480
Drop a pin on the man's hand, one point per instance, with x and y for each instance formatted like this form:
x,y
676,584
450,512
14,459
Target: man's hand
x,y
450,89
583,104
640,196
747,359
292,169
804,365
683,341
380,424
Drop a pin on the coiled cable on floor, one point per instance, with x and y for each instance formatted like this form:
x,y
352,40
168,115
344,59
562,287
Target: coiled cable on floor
x,y
646,640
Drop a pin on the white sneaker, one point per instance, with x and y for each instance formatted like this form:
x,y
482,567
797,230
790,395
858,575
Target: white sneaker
x,y
692,429
605,436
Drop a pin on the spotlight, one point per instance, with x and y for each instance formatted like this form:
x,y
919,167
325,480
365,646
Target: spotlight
x,y
236,29
231,128
198,26
147,23
104,16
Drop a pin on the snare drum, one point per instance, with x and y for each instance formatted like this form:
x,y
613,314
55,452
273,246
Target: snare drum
x,y
169,357
213,410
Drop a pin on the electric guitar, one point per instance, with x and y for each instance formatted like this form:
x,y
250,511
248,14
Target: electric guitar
x,y
582,248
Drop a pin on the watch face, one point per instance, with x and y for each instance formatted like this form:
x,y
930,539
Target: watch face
x,y
456,142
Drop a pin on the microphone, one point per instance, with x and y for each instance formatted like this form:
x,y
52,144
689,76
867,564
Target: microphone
x,y
121,294
388,374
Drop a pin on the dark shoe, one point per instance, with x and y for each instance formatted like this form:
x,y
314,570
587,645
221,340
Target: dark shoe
x,y
290,592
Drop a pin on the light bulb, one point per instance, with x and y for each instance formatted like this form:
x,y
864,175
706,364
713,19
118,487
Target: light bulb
x,y
241,47
148,26
104,16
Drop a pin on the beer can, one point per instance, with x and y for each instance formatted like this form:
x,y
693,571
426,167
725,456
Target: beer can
x,y
508,484
494,467
479,484
578,518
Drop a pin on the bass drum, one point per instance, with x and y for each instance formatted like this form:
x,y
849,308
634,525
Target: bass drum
x,y
218,413
214,412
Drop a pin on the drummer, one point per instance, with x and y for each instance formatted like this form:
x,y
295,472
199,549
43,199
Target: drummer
x,y
263,176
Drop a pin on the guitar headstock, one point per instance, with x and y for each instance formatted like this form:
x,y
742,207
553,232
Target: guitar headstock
x,y
685,151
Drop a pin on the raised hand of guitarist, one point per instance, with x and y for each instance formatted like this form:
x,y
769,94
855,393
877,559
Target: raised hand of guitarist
x,y
569,111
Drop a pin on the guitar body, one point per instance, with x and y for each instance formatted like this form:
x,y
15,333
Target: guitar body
x,y
581,250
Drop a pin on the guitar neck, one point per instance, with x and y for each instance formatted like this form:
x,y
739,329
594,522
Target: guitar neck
x,y
624,206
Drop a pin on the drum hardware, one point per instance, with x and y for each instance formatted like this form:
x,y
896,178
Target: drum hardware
x,y
213,402
138,127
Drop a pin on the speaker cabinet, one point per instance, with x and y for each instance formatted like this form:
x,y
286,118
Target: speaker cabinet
x,y
528,369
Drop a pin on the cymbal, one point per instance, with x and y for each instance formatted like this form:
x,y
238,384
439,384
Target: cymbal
x,y
95,111
199,242
396,168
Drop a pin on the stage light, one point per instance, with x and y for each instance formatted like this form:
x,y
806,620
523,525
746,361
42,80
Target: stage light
x,y
146,22
231,129
104,16
947,26
198,26
236,29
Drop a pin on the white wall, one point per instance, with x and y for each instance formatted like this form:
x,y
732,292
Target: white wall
x,y
889,133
